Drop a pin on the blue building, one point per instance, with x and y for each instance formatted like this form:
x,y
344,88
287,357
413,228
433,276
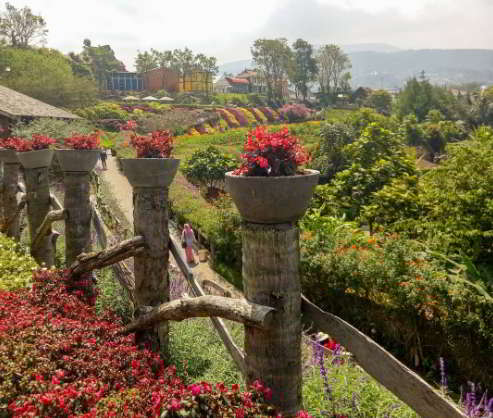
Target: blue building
x,y
123,81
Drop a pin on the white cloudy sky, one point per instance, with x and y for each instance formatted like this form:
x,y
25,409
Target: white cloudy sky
x,y
227,28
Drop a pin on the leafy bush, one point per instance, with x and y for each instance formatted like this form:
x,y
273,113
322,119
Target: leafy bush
x,y
16,265
208,167
413,301
59,359
53,128
83,142
37,142
294,112
103,110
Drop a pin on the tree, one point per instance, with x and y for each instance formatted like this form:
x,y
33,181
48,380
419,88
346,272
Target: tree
x,y
102,60
183,62
419,97
380,100
207,167
21,27
47,75
332,75
304,68
273,59
209,65
145,61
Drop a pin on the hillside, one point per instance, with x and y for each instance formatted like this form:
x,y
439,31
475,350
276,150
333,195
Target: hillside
x,y
374,65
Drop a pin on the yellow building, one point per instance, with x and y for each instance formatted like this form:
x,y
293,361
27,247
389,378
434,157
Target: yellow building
x,y
195,81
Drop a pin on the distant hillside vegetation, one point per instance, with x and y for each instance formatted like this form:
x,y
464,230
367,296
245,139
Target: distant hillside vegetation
x,y
384,66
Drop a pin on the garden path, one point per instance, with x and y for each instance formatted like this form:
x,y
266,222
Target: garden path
x,y
122,192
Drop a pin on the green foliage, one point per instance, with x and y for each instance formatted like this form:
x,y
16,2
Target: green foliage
x,y
103,110
54,128
304,68
410,299
16,265
380,100
332,75
101,59
238,99
208,167
419,97
46,74
21,27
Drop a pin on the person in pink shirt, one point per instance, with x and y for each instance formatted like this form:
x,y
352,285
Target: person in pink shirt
x,y
188,238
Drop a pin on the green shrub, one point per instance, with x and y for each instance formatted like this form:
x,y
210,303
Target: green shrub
x,y
16,265
416,303
104,110
54,128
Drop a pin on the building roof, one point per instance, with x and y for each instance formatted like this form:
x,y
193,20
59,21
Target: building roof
x,y
247,73
14,105
233,80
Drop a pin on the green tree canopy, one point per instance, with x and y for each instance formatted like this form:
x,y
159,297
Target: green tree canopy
x,y
46,74
101,60
332,75
304,68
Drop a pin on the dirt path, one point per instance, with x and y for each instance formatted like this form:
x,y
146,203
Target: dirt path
x,y
122,192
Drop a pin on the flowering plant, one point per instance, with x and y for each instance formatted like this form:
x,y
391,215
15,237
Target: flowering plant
x,y
11,143
83,142
38,142
129,125
294,112
271,154
158,145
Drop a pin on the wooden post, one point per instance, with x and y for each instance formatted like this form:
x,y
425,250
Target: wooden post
x,y
78,220
38,206
271,278
151,266
10,180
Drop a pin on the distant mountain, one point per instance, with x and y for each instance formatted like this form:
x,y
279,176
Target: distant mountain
x,y
389,67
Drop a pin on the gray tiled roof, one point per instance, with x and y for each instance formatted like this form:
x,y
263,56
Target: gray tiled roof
x,y
14,104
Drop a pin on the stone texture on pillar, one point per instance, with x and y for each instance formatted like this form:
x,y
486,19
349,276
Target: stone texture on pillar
x,y
151,267
38,206
78,221
10,180
271,278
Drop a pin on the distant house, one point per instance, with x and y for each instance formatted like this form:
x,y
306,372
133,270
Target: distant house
x,y
161,79
255,81
17,107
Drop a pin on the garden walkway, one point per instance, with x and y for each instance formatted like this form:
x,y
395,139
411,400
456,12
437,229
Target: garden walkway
x,y
122,192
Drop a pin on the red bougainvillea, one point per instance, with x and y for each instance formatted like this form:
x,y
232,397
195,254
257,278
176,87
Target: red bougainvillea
x,y
271,154
11,143
59,359
158,145
82,142
38,142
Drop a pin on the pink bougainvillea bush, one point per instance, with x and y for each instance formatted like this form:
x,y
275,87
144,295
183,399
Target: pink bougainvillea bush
x,y
295,112
271,154
59,359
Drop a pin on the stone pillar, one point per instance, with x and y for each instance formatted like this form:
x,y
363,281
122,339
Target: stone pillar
x,y
151,267
38,206
78,221
10,180
271,278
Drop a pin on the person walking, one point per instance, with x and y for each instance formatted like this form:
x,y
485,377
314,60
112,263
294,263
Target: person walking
x,y
187,240
103,157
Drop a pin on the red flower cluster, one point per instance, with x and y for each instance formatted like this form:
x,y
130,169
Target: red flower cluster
x,y
11,143
83,142
271,154
38,142
158,145
59,359
129,125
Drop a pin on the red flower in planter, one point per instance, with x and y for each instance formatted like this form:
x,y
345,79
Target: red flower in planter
x,y
83,142
158,145
12,143
271,154
38,142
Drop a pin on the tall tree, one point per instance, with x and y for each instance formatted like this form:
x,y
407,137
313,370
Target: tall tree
x,y
273,58
304,68
102,60
209,66
184,62
332,75
21,27
145,61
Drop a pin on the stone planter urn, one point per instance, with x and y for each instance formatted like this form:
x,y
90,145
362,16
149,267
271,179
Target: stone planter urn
x,y
150,172
82,160
272,200
36,159
8,156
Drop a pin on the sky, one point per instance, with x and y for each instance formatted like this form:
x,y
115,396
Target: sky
x,y
226,29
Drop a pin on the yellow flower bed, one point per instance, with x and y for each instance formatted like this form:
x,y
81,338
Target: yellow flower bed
x,y
232,118
248,115
258,114
193,132
16,266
